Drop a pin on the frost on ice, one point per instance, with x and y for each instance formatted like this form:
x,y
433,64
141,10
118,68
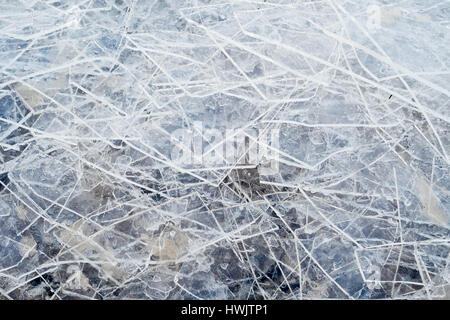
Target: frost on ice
x,y
270,149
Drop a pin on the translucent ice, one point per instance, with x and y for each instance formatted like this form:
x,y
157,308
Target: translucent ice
x,y
272,149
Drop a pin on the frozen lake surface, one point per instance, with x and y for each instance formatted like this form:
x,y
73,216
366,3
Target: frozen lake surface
x,y
271,149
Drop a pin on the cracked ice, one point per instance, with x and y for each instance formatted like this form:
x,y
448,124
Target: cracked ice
x,y
272,149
